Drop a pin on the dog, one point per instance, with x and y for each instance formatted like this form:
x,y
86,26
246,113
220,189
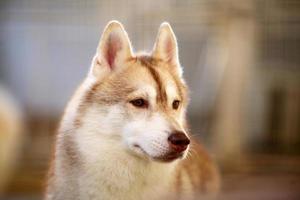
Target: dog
x,y
124,133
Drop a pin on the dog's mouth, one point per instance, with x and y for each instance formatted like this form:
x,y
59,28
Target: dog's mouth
x,y
140,149
169,157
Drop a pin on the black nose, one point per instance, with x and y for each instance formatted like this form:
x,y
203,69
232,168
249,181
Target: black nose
x,y
178,141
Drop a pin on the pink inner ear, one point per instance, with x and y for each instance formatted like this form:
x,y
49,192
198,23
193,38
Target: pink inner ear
x,y
169,49
113,46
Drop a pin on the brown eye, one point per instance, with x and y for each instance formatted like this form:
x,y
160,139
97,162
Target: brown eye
x,y
141,103
176,104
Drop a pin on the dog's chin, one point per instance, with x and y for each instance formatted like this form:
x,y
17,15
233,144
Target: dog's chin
x,y
168,157
172,156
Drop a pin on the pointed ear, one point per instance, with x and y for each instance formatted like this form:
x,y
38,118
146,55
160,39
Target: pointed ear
x,y
113,50
165,47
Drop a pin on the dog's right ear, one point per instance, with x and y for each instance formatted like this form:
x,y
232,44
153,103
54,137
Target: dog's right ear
x,y
113,50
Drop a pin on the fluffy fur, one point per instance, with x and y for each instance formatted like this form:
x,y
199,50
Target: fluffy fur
x,y
108,148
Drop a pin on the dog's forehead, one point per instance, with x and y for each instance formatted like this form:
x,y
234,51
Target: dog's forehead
x,y
150,76
139,77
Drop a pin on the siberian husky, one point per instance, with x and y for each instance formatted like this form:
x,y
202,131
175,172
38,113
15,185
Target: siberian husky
x,y
124,132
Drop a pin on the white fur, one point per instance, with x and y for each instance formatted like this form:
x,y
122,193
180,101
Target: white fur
x,y
151,135
171,93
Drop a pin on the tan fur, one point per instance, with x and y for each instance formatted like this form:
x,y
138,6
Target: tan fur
x,y
115,172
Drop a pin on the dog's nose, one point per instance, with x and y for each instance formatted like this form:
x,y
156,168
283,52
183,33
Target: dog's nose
x,y
178,141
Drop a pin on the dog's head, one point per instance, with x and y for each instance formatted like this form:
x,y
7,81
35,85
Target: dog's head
x,y
138,99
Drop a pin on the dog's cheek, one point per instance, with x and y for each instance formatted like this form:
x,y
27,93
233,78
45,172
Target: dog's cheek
x,y
105,120
134,127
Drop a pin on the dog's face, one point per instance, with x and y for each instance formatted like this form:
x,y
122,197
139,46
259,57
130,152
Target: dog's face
x,y
138,99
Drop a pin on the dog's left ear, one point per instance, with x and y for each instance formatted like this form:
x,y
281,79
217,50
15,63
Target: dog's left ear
x,y
113,51
165,47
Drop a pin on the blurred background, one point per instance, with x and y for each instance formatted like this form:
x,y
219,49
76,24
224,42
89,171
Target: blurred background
x,y
241,60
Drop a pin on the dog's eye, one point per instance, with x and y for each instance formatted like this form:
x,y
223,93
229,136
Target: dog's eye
x,y
141,103
175,104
